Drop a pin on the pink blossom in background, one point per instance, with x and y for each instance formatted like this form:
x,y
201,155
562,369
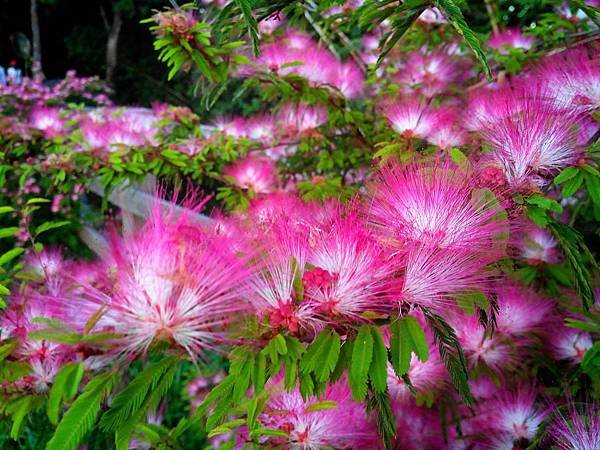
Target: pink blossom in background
x,y
254,173
511,38
411,117
48,120
537,245
345,426
571,79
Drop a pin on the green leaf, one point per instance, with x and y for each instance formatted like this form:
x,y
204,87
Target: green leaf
x,y
259,373
321,355
581,325
246,8
571,186
125,430
37,200
544,203
268,432
566,174
418,341
460,159
10,255
400,24
451,354
6,209
592,184
280,345
46,226
590,364
82,414
8,232
321,406
457,20
19,409
343,361
379,405
575,250
6,349
130,399
400,349
362,355
378,369
64,388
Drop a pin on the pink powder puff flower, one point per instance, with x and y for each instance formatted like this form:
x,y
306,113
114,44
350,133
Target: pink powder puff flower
x,y
109,135
569,343
298,40
515,413
482,109
537,245
520,310
435,205
296,53
428,73
261,128
579,430
534,143
269,209
511,38
494,352
49,265
349,79
48,120
274,294
18,320
587,129
427,376
419,428
448,132
254,173
483,388
433,276
411,118
236,126
172,281
344,427
298,119
350,271
571,79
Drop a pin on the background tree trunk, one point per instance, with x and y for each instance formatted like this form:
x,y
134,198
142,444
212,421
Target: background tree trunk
x,y
36,65
112,47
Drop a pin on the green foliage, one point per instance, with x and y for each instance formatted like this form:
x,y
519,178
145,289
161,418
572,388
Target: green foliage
x,y
378,404
451,354
82,414
407,337
135,396
456,18
321,356
362,355
378,368
577,254
64,389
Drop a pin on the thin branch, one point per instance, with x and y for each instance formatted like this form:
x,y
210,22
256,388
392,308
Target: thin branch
x,y
491,10
320,32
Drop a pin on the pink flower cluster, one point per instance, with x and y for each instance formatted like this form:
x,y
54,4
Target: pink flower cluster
x,y
532,132
296,53
21,97
425,235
